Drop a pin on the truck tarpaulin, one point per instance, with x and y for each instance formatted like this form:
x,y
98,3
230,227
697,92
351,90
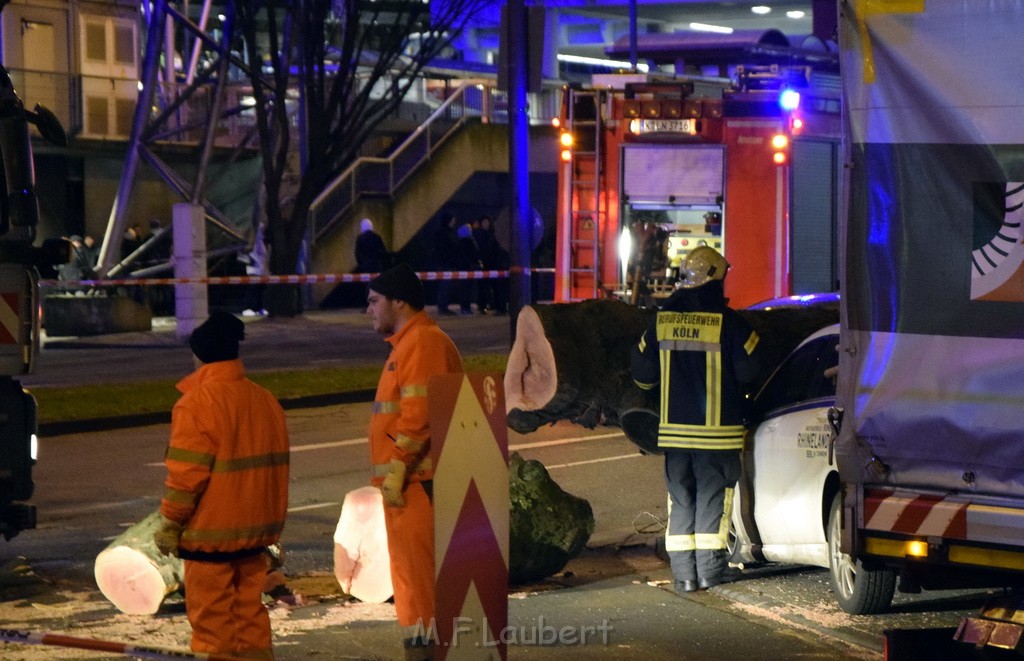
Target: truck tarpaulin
x,y
932,366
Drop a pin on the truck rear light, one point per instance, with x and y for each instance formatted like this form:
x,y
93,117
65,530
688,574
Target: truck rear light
x,y
917,549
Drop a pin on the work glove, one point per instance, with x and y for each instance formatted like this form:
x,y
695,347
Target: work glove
x,y
168,536
391,487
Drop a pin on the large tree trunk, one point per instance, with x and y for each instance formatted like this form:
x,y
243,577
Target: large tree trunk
x,y
133,574
570,361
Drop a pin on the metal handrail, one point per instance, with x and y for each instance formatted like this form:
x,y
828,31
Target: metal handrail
x,y
340,196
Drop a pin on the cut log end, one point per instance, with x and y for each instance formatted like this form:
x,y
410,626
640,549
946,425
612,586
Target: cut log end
x,y
531,376
130,580
362,563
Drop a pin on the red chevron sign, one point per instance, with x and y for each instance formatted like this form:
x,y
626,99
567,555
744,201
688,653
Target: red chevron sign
x,y
469,447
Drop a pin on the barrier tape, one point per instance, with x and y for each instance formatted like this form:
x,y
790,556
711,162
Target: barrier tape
x,y
139,651
427,276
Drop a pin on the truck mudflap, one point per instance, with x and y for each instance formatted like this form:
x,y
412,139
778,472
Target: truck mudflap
x,y
956,529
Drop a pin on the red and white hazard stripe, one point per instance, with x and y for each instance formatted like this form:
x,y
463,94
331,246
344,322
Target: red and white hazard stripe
x,y
10,303
274,279
927,515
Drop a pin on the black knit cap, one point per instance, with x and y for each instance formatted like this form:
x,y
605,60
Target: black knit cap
x,y
400,283
217,338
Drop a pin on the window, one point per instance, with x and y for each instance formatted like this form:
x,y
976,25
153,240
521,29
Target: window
x,y
110,47
110,56
806,374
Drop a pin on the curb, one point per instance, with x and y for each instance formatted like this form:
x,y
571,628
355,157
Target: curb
x,y
63,427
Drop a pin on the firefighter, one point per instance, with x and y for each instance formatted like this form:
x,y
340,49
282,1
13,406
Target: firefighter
x,y
400,443
226,493
698,352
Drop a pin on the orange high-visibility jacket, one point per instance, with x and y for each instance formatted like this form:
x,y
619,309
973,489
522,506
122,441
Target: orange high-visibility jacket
x,y
227,462
399,427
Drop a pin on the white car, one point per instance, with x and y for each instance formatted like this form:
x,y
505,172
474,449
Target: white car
x,y
787,505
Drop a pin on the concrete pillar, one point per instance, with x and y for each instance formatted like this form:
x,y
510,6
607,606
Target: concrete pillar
x,y
190,302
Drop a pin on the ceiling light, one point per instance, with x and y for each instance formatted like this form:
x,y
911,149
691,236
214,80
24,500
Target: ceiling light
x,y
704,27
796,13
761,9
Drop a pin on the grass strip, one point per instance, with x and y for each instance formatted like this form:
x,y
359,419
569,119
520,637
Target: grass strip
x,y
116,399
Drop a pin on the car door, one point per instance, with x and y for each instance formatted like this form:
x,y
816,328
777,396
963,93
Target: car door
x,y
790,448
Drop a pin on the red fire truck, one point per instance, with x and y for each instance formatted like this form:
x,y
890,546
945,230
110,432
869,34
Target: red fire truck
x,y
653,167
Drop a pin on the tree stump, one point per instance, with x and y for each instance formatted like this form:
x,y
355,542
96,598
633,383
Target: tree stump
x,y
133,574
547,526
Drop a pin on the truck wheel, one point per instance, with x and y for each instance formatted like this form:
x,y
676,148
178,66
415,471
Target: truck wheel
x,y
859,591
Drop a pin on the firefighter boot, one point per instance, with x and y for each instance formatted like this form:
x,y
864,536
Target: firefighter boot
x,y
418,649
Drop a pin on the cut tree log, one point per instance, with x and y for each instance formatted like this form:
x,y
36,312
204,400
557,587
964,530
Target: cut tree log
x,y
570,361
362,563
133,574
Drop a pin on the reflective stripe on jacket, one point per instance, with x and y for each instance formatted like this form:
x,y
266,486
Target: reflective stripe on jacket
x,y
227,461
701,362
399,426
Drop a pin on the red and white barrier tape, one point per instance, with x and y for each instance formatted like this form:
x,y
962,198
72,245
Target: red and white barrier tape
x,y
139,651
426,276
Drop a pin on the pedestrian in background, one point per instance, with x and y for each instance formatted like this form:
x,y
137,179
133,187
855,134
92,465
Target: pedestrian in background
x,y
468,259
226,493
698,352
78,267
400,437
371,254
92,251
492,297
446,248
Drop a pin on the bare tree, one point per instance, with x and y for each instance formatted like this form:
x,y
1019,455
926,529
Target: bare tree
x,y
355,61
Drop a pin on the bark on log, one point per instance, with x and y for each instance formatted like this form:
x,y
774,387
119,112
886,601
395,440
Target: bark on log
x,y
133,574
570,361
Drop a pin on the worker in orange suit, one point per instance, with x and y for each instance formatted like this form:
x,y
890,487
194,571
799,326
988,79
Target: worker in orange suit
x,y
400,444
226,493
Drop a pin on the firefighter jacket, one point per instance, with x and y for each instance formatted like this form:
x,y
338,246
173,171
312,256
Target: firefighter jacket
x,y
697,351
399,426
227,464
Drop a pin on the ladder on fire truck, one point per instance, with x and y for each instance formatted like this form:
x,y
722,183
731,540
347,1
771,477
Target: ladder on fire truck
x,y
587,213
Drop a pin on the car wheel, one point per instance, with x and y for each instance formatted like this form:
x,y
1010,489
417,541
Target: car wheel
x,y
859,591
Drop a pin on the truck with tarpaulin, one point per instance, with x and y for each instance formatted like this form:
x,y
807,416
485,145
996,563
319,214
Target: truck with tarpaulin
x,y
930,401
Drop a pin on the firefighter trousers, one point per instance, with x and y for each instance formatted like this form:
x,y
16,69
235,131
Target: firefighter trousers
x,y
224,603
411,545
700,487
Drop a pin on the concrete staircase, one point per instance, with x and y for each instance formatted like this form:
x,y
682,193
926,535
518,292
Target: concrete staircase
x,y
471,148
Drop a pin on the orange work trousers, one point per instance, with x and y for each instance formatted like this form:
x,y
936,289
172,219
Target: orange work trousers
x,y
224,603
411,545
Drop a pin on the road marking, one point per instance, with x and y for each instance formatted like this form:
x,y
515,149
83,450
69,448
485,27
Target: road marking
x,y
520,446
330,444
303,508
305,448
594,461
562,441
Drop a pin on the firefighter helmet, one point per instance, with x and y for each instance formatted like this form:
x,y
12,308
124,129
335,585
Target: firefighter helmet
x,y
702,265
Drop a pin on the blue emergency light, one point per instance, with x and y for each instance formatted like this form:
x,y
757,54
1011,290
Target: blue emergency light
x,y
789,100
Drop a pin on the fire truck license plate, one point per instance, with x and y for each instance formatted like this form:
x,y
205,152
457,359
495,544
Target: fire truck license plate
x,y
667,126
